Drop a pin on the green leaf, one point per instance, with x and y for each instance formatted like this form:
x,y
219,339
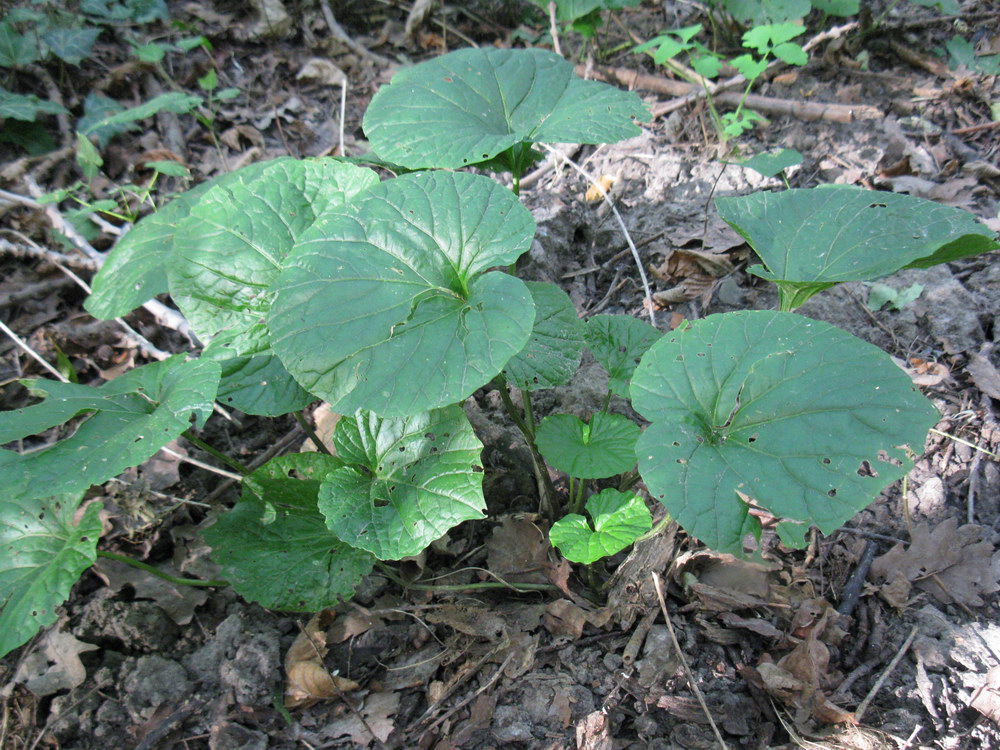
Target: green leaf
x,y
43,551
707,66
601,449
756,12
781,409
87,157
274,546
618,343
408,481
814,238
26,107
175,101
468,106
962,52
256,385
35,141
234,240
71,45
140,11
838,7
618,520
136,268
880,295
97,107
127,421
552,354
791,53
388,306
153,52
168,167
772,164
17,49
749,66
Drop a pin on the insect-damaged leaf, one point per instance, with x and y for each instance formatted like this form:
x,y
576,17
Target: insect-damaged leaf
x,y
804,419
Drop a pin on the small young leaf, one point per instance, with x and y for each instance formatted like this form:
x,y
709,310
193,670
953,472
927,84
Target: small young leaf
x,y
707,66
791,53
71,45
601,449
43,551
880,295
618,520
388,305
799,417
772,164
274,546
17,49
150,53
87,157
26,107
209,82
749,66
552,354
129,419
811,239
618,343
406,483
168,168
470,105
175,101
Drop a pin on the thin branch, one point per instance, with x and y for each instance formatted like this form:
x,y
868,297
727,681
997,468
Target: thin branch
x,y
554,28
888,670
32,353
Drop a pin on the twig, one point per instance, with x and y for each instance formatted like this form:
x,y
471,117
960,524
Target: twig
x,y
621,222
343,113
202,465
554,28
21,200
658,585
885,674
977,128
468,699
338,32
852,590
32,353
970,502
32,250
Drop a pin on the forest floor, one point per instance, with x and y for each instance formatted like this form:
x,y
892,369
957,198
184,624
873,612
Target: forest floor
x,y
877,651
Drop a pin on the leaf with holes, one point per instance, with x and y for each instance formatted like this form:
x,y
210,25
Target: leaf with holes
x,y
125,422
391,304
616,520
552,354
603,448
407,481
274,546
472,105
136,268
234,241
44,549
811,239
774,412
618,343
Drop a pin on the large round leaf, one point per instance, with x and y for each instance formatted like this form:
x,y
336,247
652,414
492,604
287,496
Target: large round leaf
x,y
387,305
552,354
469,106
618,343
603,448
408,481
127,421
811,239
136,268
790,414
233,243
274,546
43,551
618,520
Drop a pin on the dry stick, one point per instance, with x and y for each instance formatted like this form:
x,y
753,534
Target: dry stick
x,y
658,585
621,222
885,674
554,28
468,699
338,32
31,352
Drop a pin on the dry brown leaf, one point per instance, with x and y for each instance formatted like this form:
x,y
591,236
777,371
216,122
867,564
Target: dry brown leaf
x,y
322,71
308,679
986,699
177,600
594,193
950,562
593,732
54,663
983,373
922,372
517,551
377,711
474,621
563,618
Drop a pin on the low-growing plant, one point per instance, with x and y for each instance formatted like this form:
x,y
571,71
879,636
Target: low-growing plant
x,y
395,300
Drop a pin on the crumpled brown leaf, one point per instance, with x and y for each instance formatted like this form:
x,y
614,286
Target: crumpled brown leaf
x,y
308,679
563,618
986,699
54,663
950,562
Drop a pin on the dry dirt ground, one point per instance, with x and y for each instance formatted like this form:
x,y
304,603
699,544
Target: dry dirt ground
x,y
877,649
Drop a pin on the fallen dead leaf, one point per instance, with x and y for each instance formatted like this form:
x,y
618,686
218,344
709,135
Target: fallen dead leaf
x,y
474,621
983,372
178,601
54,663
517,551
986,699
377,711
565,619
308,679
595,193
923,373
593,732
322,71
952,563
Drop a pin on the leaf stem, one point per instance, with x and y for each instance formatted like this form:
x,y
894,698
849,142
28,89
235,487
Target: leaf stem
x,y
230,462
159,573
519,587
308,429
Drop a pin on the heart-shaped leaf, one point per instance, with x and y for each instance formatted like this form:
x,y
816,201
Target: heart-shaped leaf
x,y
256,385
129,420
603,448
388,305
43,551
618,343
618,520
71,45
136,268
26,107
553,352
469,106
814,238
233,242
800,418
407,481
274,546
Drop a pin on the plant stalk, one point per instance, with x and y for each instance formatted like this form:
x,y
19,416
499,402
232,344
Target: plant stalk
x,y
230,462
159,573
308,429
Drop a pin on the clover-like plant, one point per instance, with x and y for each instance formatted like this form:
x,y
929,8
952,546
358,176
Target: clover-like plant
x,y
394,301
